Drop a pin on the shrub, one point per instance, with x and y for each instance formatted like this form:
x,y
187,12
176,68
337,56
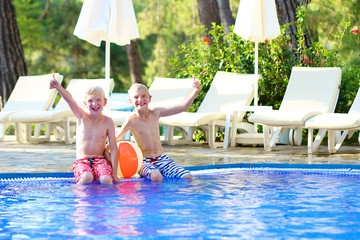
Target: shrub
x,y
218,51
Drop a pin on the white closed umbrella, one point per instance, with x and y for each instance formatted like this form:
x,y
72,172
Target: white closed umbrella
x,y
112,21
257,21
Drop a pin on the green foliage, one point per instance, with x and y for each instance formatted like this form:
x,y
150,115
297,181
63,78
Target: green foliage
x,y
276,59
316,55
233,54
349,85
325,20
204,59
163,25
50,45
28,13
199,135
10,130
275,63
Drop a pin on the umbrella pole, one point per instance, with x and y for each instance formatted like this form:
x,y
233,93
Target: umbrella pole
x,y
257,78
256,73
107,60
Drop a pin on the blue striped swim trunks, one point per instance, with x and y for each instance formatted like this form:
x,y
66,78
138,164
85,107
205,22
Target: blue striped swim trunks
x,y
165,165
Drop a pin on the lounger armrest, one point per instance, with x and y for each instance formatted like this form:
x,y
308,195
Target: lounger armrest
x,y
253,108
247,109
234,114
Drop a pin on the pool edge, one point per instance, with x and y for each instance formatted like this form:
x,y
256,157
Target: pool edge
x,y
196,168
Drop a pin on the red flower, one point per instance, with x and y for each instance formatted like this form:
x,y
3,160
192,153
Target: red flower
x,y
206,40
307,61
355,30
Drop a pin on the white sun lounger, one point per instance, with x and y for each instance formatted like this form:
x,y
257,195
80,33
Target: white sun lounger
x,y
228,92
310,92
60,120
30,92
338,126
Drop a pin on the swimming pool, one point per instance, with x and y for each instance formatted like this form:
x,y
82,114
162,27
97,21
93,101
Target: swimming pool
x,y
242,202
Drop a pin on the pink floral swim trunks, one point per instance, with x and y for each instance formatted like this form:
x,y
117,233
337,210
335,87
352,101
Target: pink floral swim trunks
x,y
97,165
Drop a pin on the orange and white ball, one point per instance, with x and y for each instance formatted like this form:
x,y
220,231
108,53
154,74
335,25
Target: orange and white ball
x,y
130,159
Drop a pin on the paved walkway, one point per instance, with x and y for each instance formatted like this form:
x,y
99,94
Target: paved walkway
x,y
58,157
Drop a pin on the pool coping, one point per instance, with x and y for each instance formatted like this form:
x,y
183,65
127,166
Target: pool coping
x,y
346,167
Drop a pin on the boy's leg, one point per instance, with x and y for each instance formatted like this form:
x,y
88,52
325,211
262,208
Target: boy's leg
x,y
169,168
82,171
106,180
148,170
187,176
156,176
86,177
103,171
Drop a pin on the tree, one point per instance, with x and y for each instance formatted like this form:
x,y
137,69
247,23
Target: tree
x,y
218,11
12,61
286,10
209,13
61,51
225,14
134,62
215,11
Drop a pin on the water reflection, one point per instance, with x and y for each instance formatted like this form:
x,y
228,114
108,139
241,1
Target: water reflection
x,y
102,209
230,204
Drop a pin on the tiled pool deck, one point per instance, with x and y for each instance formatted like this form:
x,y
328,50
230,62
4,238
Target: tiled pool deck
x,y
58,157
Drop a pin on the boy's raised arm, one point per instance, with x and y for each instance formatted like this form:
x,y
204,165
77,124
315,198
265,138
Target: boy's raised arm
x,y
123,130
67,97
186,103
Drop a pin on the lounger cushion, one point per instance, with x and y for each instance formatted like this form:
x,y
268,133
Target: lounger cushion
x,y
4,116
282,118
310,91
338,121
77,88
187,119
30,92
40,116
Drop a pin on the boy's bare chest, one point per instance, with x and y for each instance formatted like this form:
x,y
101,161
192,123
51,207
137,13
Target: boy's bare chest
x,y
89,127
148,120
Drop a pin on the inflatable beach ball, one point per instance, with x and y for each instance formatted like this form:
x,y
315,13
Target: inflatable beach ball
x,y
130,159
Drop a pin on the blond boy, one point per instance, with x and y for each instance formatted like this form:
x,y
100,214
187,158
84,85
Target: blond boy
x,y
144,125
92,132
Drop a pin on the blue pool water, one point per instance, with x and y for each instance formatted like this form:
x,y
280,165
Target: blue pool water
x,y
234,203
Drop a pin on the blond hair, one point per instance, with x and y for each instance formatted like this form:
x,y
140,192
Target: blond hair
x,y
91,91
135,87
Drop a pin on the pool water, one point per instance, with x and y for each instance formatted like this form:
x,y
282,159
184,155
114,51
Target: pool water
x,y
216,204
